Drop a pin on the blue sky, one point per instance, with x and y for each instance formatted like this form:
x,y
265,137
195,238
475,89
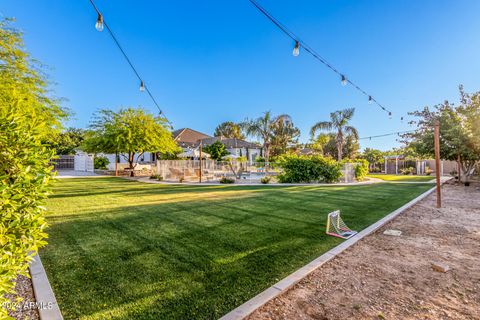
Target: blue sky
x,y
212,61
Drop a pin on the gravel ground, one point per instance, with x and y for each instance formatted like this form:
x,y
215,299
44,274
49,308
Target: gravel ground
x,y
387,277
25,310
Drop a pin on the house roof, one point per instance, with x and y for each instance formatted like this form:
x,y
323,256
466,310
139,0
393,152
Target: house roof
x,y
188,137
231,143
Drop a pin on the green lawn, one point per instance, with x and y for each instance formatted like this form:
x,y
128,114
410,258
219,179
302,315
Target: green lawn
x,y
401,177
127,250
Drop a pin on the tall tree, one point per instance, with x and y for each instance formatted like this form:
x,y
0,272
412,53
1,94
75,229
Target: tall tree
x,y
129,132
263,128
29,120
458,137
68,141
229,129
216,150
325,143
284,135
339,124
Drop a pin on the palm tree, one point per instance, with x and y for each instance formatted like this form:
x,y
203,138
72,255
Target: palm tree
x,y
263,128
338,123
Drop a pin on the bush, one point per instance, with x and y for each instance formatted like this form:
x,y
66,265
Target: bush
x,y
407,171
361,169
266,180
100,163
25,174
227,180
306,169
428,171
156,177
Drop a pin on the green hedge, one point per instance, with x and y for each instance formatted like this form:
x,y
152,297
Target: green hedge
x,y
306,169
24,175
361,169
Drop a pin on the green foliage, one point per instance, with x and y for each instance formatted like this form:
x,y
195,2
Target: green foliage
x,y
306,169
284,135
29,123
129,132
265,128
406,171
372,155
226,180
361,169
339,123
216,150
156,177
100,163
326,144
266,180
459,131
229,129
68,141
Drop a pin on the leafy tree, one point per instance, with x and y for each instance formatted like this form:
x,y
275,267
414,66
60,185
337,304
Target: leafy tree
x,y
339,123
68,141
264,128
326,144
216,150
372,155
28,119
229,129
129,132
284,135
458,138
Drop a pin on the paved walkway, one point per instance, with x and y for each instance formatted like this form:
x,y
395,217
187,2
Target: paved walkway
x,y
63,174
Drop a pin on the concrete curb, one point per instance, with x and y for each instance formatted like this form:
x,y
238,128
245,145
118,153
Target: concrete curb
x,y
46,302
283,285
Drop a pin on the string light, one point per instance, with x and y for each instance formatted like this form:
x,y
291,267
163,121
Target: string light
x,y
386,135
296,49
312,52
370,100
99,24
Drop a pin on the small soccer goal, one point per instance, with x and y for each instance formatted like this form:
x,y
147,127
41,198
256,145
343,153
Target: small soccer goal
x,y
337,228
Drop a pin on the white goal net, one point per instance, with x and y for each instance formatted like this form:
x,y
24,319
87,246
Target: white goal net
x,y
337,228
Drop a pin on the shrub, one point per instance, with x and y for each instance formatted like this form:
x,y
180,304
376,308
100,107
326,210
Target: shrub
x,y
156,177
29,124
361,169
306,169
266,180
407,171
428,171
24,179
100,163
226,180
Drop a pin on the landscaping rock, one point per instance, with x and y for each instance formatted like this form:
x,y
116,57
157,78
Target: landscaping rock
x,y
392,232
440,267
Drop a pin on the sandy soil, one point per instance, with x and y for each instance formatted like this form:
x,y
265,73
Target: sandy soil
x,y
386,277
26,309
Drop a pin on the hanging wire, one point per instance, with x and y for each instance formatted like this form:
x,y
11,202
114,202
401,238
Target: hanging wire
x,y
142,83
316,55
387,134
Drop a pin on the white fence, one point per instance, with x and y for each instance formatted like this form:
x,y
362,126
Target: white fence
x,y
243,172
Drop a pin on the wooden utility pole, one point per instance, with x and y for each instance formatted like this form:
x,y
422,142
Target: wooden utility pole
x,y
200,174
437,162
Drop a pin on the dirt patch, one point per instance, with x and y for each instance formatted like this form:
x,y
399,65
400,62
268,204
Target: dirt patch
x,y
25,309
387,277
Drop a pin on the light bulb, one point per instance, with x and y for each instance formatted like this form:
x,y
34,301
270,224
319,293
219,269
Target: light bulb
x,y
370,100
296,49
390,115
344,80
99,24
142,86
